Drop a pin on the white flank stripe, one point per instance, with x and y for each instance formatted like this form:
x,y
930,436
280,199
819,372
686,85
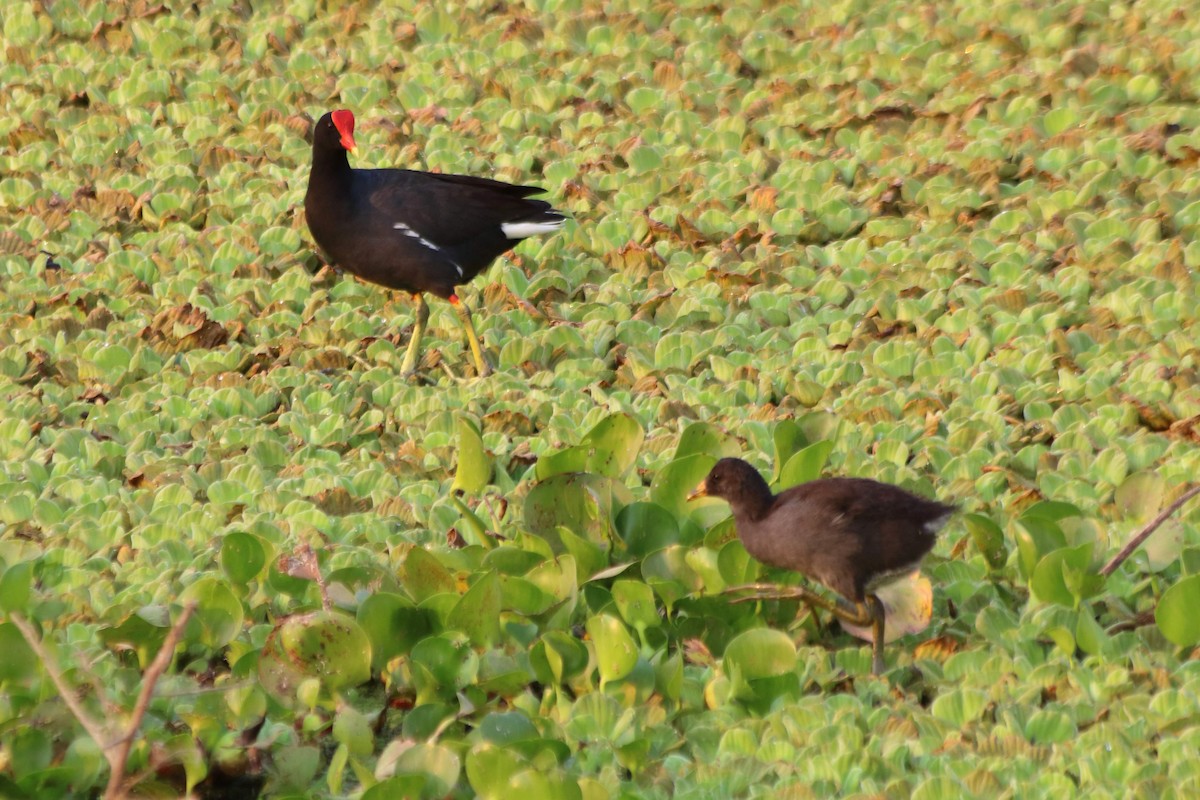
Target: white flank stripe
x,y
410,233
935,525
522,230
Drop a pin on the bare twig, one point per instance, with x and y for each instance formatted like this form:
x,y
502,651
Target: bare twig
x,y
1145,532
114,745
1133,623
120,756
94,728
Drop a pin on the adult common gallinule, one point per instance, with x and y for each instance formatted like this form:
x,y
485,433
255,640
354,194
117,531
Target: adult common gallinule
x,y
414,231
850,534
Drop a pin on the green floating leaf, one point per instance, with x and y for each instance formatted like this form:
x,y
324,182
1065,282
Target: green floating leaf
x,y
393,625
1035,538
590,558
490,768
760,653
242,557
616,651
474,469
704,438
218,616
960,706
673,483
582,502
1088,634
558,657
1060,576
15,585
805,465
988,539
401,787
1049,726
478,612
19,662
1176,614
635,601
424,576
473,530
296,766
436,763
435,662
537,785
788,439
610,448
1059,119
324,645
1140,496
646,527
355,730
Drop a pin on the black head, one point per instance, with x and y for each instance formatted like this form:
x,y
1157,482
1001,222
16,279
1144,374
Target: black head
x,y
736,482
335,131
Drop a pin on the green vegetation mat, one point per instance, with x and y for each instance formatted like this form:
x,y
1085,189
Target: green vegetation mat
x,y
949,245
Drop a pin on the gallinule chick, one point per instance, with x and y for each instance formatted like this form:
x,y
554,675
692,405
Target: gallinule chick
x,y
414,231
850,534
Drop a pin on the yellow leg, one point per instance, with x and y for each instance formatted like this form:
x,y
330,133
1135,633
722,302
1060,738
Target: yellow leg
x,y
482,367
413,355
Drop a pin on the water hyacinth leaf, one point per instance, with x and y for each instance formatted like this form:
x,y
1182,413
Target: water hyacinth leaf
x,y
1036,536
20,663
490,768
423,576
1088,634
635,602
1140,496
474,468
616,651
218,615
610,448
505,728
760,653
1176,613
400,787
243,556
558,657
473,530
353,729
669,574
567,460
296,766
438,659
582,502
478,612
959,706
788,439
324,645
1163,548
736,565
437,764
15,584
704,438
988,539
537,785
590,558
671,485
805,465
393,625
1061,576
613,445
646,527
